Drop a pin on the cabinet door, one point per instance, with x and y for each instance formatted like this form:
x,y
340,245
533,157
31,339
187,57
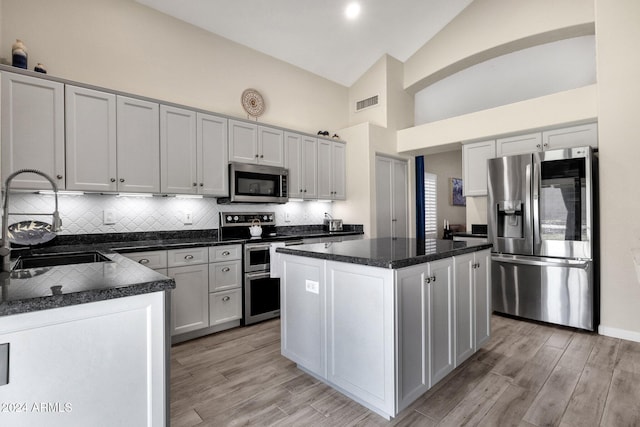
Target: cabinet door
x,y
293,161
190,298
441,319
243,142
412,332
213,173
324,165
482,279
310,167
474,162
338,171
177,151
464,302
138,144
90,117
156,260
384,199
575,136
225,306
519,144
32,130
270,146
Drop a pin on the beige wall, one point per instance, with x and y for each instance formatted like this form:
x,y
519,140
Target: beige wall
x,y
371,83
122,45
490,28
618,62
445,166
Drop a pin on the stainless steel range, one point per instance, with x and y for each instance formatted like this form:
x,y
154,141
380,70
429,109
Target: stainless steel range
x,y
261,293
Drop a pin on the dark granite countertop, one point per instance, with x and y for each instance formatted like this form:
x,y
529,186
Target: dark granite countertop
x,y
475,235
385,252
52,287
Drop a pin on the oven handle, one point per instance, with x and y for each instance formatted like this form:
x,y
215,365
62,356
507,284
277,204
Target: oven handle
x,y
257,275
253,247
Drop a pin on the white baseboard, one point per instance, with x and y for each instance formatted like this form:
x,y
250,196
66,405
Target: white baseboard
x,y
619,333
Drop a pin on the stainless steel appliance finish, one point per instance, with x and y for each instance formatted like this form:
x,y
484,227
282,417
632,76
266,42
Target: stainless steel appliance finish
x,y
541,223
256,184
256,257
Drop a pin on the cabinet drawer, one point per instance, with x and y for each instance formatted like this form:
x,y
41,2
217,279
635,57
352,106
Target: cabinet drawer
x,y
225,306
151,259
225,253
225,275
179,257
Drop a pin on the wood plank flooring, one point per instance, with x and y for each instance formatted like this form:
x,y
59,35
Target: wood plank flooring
x,y
528,374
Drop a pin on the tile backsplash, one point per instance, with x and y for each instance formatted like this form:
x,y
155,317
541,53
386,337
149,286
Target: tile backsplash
x,y
84,214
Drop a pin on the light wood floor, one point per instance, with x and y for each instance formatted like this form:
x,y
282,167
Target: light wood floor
x,y
527,375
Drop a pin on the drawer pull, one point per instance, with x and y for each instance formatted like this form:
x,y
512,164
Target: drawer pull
x,y
226,270
225,299
188,257
144,261
226,253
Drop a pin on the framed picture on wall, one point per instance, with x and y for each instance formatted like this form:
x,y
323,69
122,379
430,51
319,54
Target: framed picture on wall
x,y
455,190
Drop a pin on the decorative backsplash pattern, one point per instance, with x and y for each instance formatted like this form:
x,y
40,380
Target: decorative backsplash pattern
x,y
84,214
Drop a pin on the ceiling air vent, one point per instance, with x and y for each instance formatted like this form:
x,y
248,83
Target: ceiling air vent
x,y
367,103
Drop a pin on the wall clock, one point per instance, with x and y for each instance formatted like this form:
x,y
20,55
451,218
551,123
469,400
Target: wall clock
x,y
252,102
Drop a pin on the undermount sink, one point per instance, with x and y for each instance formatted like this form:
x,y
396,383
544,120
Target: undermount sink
x,y
50,260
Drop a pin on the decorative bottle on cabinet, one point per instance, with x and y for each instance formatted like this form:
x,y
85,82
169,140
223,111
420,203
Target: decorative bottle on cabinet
x,y
19,54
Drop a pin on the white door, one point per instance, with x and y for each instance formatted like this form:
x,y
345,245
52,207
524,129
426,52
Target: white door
x,y
338,171
91,139
32,130
138,146
474,162
482,279
441,318
465,305
324,165
178,151
190,298
400,198
309,171
213,173
243,142
270,146
519,144
574,136
392,200
293,162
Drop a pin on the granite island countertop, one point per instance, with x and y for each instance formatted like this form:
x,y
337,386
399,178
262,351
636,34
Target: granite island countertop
x,y
385,252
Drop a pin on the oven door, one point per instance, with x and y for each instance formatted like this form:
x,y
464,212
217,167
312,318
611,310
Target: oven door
x,y
261,297
256,257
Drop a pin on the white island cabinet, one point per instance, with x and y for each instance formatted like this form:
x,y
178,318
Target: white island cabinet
x,y
376,318
100,363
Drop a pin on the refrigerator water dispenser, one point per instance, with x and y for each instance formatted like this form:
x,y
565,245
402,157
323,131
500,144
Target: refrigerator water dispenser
x,y
509,219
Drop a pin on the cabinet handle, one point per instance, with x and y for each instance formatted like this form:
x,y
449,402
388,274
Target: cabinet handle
x,y
226,270
537,145
433,278
202,184
113,180
121,179
262,156
188,257
545,145
225,299
226,253
59,176
144,261
195,184
257,156
427,280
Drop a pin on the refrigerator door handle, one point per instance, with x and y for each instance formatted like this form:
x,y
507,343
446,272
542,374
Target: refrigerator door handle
x,y
535,199
543,262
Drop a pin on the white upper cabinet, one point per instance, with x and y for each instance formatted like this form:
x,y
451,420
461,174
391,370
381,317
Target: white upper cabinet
x,y
138,144
249,143
178,170
474,161
270,146
520,144
575,136
91,139
213,176
331,170
32,130
301,160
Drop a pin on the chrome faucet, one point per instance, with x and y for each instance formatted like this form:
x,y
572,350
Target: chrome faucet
x,y
5,250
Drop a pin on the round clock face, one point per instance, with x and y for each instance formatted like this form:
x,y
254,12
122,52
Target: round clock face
x,y
252,102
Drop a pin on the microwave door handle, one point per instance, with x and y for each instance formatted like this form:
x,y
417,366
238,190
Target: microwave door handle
x,y
535,200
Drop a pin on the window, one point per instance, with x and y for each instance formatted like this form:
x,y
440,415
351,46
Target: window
x,y
430,206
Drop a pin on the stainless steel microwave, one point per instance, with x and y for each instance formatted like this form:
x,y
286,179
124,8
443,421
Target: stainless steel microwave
x,y
256,184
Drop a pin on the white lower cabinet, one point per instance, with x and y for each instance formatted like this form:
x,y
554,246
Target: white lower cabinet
x,y
101,363
208,293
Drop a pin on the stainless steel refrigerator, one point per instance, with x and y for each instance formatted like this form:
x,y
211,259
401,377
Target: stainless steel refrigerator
x,y
542,223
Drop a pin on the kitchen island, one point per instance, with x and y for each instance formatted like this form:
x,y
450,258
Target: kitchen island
x,y
383,320
84,344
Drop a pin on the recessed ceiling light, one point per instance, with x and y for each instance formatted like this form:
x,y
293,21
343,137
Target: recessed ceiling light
x,y
353,10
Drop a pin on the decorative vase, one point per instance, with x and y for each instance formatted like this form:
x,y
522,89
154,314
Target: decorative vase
x,y
19,54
